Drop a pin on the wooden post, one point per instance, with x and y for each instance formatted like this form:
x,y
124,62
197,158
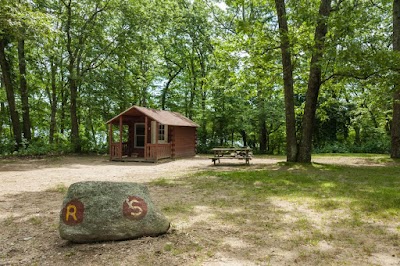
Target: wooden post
x,y
120,137
172,140
110,138
157,132
195,142
145,137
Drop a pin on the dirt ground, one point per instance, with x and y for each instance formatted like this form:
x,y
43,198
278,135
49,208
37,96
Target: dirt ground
x,y
32,191
34,175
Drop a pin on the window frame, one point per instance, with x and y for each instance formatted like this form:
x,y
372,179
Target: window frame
x,y
162,133
136,136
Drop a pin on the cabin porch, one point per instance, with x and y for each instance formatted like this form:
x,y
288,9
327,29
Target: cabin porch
x,y
140,139
152,152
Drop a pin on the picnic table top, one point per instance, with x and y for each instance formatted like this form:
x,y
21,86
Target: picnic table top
x,y
232,149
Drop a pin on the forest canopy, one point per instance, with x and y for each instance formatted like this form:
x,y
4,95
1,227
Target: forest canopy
x,y
283,77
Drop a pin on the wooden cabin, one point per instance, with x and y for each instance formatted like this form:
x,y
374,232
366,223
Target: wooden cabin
x,y
143,134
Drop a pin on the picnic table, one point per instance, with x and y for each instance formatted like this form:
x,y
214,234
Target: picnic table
x,y
244,153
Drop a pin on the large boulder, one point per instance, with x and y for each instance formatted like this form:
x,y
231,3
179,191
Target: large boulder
x,y
103,211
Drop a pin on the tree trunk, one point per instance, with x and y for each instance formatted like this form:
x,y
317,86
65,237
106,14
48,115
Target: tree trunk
x,y
73,87
2,116
26,121
244,137
165,91
395,128
92,130
357,138
314,83
6,71
203,137
53,101
291,142
75,140
263,136
64,99
262,133
262,119
193,89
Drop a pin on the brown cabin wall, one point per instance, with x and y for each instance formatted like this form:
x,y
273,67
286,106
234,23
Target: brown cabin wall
x,y
184,141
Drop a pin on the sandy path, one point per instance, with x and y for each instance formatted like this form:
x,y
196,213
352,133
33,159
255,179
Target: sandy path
x,y
37,175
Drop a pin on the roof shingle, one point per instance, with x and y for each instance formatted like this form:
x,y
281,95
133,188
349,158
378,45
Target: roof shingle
x,y
161,116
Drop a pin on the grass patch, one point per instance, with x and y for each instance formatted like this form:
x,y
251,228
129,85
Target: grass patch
x,y
59,188
368,157
368,190
177,208
8,221
161,182
329,204
354,155
303,224
35,220
316,209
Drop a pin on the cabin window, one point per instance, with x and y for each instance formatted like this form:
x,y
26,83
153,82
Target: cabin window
x,y
139,135
162,133
161,130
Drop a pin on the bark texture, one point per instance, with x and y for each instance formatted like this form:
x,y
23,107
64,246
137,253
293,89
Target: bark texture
x,y
53,101
395,128
73,86
314,83
23,86
291,141
6,72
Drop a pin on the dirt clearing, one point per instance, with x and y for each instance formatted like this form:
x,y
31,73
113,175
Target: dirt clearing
x,y
213,223
33,175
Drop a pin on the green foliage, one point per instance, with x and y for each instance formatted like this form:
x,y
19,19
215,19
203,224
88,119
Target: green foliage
x,y
6,146
40,147
220,67
18,15
380,146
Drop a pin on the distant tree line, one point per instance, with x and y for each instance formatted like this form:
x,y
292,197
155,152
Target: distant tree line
x,y
291,77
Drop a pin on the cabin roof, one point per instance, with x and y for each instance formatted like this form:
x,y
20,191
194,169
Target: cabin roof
x,y
161,116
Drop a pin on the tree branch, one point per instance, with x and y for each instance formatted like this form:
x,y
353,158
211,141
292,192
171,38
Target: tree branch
x,y
350,75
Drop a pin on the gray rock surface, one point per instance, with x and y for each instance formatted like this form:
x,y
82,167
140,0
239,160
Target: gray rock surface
x,y
104,211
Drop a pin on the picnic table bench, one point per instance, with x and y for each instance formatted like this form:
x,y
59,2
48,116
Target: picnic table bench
x,y
232,153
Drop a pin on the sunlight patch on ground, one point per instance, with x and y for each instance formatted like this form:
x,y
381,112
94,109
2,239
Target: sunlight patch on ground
x,y
235,242
384,259
221,259
328,185
325,246
293,211
201,214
